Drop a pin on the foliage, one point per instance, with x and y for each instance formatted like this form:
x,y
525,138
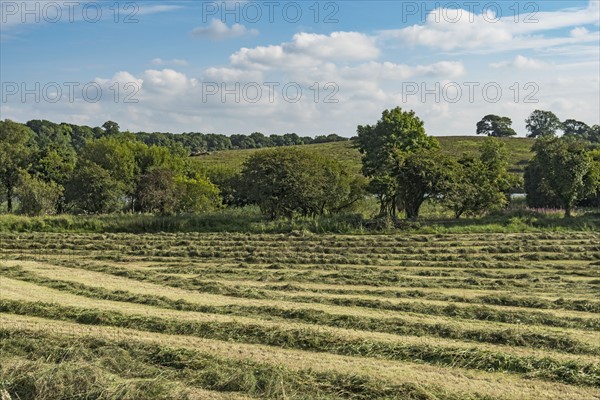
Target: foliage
x,y
284,182
16,151
564,171
115,155
157,192
36,196
494,125
542,123
93,190
572,127
422,174
481,183
379,144
196,195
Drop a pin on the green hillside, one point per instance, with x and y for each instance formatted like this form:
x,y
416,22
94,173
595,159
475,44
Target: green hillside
x,y
344,152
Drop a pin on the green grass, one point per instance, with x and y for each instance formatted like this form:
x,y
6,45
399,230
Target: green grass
x,y
504,336
519,150
301,315
546,368
59,367
249,220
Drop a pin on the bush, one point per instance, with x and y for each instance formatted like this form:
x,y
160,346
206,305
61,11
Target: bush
x,y
286,182
36,196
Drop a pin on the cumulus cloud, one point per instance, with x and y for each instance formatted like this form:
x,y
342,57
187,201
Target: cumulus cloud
x,y
520,62
308,50
175,61
218,30
458,29
225,74
167,81
579,32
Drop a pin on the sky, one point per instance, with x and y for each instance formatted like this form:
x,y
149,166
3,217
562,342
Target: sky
x,y
307,67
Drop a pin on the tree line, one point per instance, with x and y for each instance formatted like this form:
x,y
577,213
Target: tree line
x,y
52,168
62,168
194,142
539,124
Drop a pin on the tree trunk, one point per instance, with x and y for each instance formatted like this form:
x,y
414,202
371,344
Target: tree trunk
x,y
568,212
9,196
412,209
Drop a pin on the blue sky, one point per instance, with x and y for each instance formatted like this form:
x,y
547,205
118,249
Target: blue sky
x,y
452,62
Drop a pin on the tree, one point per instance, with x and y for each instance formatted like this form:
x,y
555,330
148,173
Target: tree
x,y
594,134
93,190
115,155
575,128
422,174
261,140
111,128
80,135
17,148
494,125
157,192
396,131
563,170
481,183
36,196
197,194
542,123
289,181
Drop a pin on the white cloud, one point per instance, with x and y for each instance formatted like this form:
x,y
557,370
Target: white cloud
x,y
175,61
308,50
458,29
167,81
225,74
520,62
156,9
49,12
579,32
218,30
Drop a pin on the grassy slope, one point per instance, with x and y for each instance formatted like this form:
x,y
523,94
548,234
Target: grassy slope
x,y
344,152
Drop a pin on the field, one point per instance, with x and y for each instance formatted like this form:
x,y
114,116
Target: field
x,y
300,316
519,151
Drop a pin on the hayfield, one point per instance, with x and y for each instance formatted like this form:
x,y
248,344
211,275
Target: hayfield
x,y
300,316
519,152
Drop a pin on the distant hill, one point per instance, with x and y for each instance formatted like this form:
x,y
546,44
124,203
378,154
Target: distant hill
x,y
519,150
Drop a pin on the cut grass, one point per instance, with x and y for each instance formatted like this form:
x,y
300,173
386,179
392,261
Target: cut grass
x,y
455,380
437,309
513,336
570,372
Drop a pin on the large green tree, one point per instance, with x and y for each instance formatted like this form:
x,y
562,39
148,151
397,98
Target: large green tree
x,y
157,191
17,148
578,129
36,196
481,184
288,181
92,190
494,125
563,170
421,174
196,194
116,155
379,144
542,123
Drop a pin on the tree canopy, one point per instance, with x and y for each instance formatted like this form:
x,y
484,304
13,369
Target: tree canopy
x,y
542,123
494,125
381,144
562,171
